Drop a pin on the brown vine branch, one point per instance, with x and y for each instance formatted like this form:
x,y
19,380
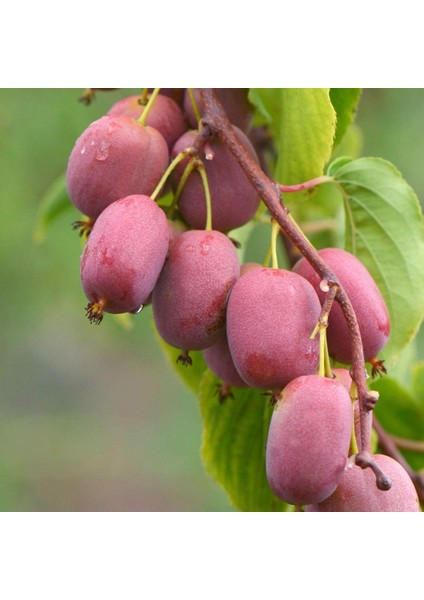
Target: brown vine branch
x,y
216,123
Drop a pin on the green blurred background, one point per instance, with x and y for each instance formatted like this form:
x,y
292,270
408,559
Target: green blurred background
x,y
94,418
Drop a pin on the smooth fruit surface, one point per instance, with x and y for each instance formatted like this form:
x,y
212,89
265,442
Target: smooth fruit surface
x,y
190,297
124,254
270,316
357,490
114,157
367,301
234,200
308,440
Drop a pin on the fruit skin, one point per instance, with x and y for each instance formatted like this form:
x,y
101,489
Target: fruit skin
x,y
271,314
175,228
308,439
113,158
190,297
218,359
357,490
234,200
249,266
218,356
367,301
234,101
343,376
164,115
125,253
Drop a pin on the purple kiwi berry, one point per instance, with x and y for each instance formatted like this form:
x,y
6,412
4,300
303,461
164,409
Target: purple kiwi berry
x,y
190,297
164,115
308,439
114,157
357,490
219,360
367,301
271,315
124,255
234,200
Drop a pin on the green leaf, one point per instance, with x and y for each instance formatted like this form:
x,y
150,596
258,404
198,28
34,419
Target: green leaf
x,y
345,102
234,441
384,229
303,124
190,374
53,204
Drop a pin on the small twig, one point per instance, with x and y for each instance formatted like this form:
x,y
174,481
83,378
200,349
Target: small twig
x,y
413,445
306,185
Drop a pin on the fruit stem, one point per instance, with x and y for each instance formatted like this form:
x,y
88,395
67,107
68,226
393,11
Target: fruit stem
x,y
327,363
268,255
353,444
181,156
191,165
194,104
321,326
144,96
275,228
322,340
203,175
142,119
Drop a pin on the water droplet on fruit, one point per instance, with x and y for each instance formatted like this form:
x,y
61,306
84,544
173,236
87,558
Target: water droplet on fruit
x,y
83,150
137,311
204,248
102,152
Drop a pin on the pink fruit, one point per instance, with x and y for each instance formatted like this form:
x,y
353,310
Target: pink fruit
x,y
367,301
164,115
270,316
357,490
124,255
190,297
249,266
308,439
218,359
344,377
234,200
114,157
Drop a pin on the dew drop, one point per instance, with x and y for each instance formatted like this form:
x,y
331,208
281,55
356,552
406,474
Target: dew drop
x,y
102,152
83,150
137,311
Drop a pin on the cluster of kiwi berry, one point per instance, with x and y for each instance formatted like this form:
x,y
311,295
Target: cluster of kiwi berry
x,y
253,323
